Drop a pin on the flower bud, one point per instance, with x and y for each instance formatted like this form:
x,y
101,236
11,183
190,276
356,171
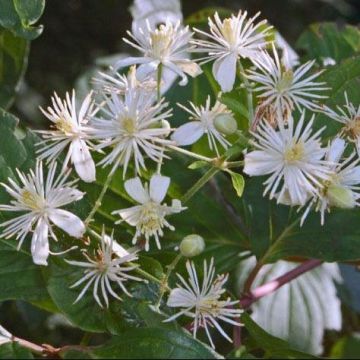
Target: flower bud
x,y
340,197
225,123
192,245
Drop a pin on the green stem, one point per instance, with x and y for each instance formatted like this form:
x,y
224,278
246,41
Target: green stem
x,y
241,73
199,184
189,153
234,164
102,193
165,281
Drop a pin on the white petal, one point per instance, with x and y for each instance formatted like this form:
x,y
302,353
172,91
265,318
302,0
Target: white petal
x,y
259,163
145,70
68,222
130,215
188,133
40,243
224,70
352,176
135,189
116,247
180,298
82,160
190,68
337,148
158,187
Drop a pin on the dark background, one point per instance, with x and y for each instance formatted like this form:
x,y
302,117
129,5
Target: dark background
x,y
76,32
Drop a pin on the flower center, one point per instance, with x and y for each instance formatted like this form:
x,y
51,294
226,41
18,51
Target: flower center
x,y
160,41
151,218
353,128
286,81
64,126
129,125
32,200
294,153
228,32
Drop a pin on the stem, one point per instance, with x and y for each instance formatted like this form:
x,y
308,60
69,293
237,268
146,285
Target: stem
x,y
252,276
233,164
170,268
190,153
274,285
159,164
199,184
159,76
249,92
102,193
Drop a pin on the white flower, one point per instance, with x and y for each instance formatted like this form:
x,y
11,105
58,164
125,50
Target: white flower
x,y
342,189
149,216
349,116
294,158
131,128
5,336
167,45
114,82
70,130
41,200
110,263
289,56
229,40
203,123
203,304
282,89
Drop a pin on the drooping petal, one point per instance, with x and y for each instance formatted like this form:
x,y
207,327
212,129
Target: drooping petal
x,y
188,134
158,187
40,243
82,160
224,71
68,222
135,189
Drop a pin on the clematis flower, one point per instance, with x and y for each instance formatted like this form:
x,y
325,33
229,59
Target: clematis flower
x,y
70,131
228,41
167,45
292,156
149,215
110,264
41,200
203,303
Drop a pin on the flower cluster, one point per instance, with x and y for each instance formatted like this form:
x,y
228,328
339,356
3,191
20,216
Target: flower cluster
x,y
127,122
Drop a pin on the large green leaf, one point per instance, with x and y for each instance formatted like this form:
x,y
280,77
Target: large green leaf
x,y
19,16
150,343
327,40
13,350
13,60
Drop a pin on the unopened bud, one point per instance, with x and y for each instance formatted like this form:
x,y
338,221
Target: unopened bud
x,y
225,123
341,197
192,245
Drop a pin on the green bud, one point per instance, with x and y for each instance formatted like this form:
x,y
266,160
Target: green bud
x,y
340,197
192,245
225,123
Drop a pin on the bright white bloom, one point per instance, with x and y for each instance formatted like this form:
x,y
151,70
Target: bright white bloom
x,y
149,216
114,82
167,45
289,56
5,336
70,131
203,304
229,40
41,200
342,189
282,89
349,116
110,263
131,128
294,158
203,123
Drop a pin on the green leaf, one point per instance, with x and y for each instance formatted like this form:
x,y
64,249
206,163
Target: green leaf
x,y
348,347
274,347
327,40
198,164
238,182
13,60
201,17
19,16
151,343
13,350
